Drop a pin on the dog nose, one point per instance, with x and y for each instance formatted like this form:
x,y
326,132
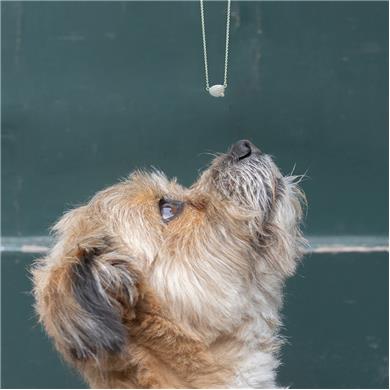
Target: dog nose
x,y
242,149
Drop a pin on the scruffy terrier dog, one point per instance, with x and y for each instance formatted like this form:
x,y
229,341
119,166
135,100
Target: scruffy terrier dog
x,y
152,285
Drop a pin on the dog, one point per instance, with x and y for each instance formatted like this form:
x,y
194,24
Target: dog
x,y
153,285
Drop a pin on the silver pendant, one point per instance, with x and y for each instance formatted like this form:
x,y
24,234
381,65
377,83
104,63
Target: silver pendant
x,y
217,90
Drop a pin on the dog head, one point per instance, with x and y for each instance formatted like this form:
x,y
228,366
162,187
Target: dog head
x,y
208,253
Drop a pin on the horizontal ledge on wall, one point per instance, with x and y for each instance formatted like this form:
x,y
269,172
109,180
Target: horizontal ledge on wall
x,y
347,244
317,244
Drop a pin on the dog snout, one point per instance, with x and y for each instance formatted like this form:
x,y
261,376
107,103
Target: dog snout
x,y
243,149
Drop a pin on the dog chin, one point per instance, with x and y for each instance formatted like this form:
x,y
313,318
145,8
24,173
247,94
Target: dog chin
x,y
253,183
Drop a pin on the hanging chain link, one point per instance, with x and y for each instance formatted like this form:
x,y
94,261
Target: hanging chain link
x,y
206,69
227,44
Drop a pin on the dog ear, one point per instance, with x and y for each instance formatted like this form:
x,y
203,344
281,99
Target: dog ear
x,y
85,297
105,288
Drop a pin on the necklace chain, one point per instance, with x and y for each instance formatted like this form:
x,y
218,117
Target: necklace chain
x,y
206,69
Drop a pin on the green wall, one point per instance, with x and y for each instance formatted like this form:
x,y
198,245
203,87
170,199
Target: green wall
x,y
93,90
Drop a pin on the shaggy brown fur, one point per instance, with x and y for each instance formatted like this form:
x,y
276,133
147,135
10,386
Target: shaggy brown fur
x,y
153,285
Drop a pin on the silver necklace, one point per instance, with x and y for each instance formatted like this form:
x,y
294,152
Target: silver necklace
x,y
217,90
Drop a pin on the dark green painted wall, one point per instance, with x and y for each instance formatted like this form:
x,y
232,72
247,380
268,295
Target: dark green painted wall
x,y
92,90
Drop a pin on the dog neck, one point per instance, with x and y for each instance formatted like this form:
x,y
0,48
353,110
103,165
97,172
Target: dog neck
x,y
161,354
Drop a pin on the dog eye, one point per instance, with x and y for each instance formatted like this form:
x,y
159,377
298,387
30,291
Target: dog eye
x,y
169,209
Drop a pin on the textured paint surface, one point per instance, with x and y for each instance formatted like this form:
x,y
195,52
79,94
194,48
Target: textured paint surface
x,y
336,325
92,90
